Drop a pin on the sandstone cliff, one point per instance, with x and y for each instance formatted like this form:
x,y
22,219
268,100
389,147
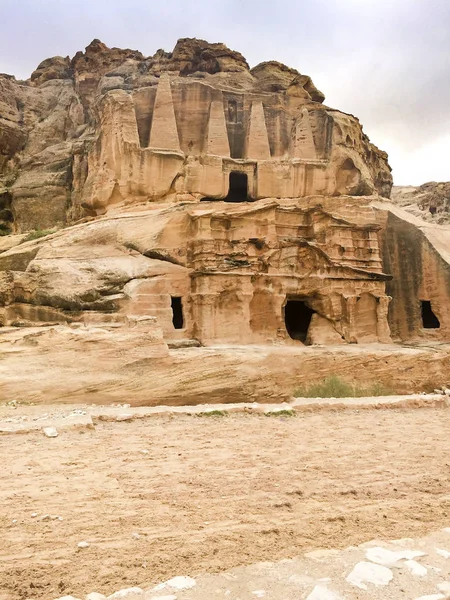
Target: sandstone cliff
x,y
111,127
218,203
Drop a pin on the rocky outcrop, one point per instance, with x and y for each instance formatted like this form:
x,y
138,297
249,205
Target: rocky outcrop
x,y
430,201
273,76
52,68
111,127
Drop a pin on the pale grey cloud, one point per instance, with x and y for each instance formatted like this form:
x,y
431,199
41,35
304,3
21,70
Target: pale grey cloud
x,y
386,61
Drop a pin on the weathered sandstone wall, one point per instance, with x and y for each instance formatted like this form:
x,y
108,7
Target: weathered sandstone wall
x,y
236,270
111,127
417,255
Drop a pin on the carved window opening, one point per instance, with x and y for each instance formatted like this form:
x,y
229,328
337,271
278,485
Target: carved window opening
x,y
177,312
429,319
297,318
238,190
232,111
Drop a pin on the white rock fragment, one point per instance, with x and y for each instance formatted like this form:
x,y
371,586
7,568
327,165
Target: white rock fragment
x,y
95,596
444,587
432,597
45,518
365,572
144,451
34,515
320,592
416,568
50,432
136,536
441,552
177,583
128,594
170,597
259,593
389,558
83,545
67,598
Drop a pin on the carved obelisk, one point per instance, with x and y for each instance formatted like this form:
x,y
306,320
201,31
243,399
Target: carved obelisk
x,y
258,141
217,140
164,133
303,140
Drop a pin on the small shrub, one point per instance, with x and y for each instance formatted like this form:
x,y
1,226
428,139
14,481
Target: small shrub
x,y
4,229
212,413
280,413
335,387
36,234
379,389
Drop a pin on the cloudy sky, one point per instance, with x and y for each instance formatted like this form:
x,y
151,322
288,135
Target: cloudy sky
x,y
386,61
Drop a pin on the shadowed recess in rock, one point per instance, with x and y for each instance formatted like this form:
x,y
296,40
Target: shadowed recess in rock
x,y
238,191
177,311
297,316
429,319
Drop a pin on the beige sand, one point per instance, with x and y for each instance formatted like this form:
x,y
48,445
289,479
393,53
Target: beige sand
x,y
211,493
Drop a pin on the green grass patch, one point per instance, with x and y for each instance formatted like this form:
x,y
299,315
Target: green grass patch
x,y
212,413
280,413
36,234
335,387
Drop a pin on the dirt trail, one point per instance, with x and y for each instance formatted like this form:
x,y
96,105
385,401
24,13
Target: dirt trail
x,y
209,493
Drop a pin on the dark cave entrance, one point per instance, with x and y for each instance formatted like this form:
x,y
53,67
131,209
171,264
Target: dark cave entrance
x,y
177,312
238,191
429,319
6,215
297,317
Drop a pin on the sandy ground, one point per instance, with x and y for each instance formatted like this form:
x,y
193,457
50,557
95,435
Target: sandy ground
x,y
211,493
